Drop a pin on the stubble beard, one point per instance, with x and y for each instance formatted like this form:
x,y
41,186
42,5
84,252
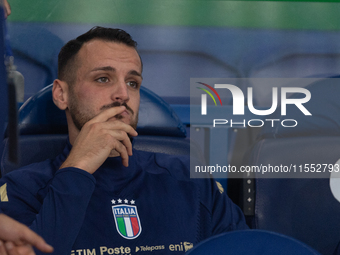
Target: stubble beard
x,y
79,117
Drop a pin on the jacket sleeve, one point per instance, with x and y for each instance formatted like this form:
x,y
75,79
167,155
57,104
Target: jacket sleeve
x,y
218,213
226,216
217,209
53,207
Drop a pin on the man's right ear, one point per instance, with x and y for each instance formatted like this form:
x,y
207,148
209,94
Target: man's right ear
x,y
60,94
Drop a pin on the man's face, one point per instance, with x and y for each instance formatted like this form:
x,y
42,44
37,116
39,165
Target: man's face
x,y
109,75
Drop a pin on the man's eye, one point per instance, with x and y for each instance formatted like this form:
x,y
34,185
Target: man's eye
x,y
102,79
132,84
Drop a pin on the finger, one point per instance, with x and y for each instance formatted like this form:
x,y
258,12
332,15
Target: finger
x,y
123,138
7,8
107,114
25,249
34,239
127,143
119,125
2,248
120,131
121,149
10,249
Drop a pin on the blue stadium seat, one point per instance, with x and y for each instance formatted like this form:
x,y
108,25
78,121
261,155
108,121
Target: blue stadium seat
x,y
291,54
174,69
303,208
252,242
43,129
324,107
35,51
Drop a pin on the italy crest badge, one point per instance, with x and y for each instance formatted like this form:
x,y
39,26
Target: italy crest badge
x,y
127,220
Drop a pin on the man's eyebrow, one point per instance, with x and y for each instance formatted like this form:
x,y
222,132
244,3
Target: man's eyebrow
x,y
110,68
133,72
104,68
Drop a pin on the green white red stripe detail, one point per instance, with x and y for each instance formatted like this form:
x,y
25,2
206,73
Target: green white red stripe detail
x,y
127,221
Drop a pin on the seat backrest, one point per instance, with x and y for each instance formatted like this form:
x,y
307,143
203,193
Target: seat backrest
x,y
253,242
35,51
324,106
175,89
292,55
303,208
43,129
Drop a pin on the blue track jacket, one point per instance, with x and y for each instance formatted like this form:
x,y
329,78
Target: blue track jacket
x,y
150,206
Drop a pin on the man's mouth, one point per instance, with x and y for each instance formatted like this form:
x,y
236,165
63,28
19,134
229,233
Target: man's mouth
x,y
117,104
120,115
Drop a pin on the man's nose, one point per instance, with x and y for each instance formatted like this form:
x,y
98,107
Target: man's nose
x,y
120,92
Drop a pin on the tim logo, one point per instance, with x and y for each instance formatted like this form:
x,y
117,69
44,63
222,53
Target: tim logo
x,y
239,102
127,221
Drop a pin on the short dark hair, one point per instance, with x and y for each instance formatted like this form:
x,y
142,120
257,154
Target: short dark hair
x,y
66,64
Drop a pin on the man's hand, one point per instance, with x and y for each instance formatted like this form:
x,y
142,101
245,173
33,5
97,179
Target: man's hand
x,y
7,8
17,239
101,137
